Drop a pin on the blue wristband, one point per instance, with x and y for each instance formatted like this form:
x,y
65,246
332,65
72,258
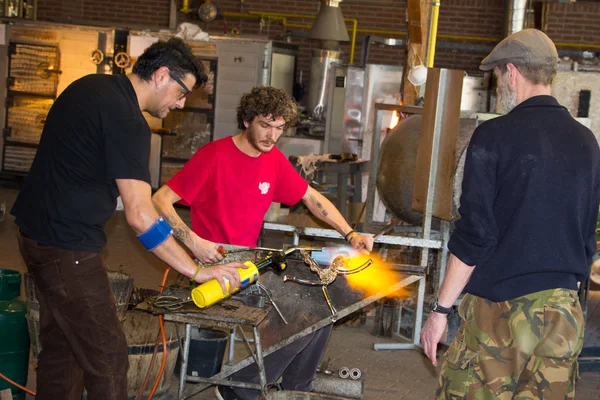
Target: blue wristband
x,y
156,234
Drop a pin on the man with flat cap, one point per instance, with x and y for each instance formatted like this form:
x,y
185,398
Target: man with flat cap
x,y
524,242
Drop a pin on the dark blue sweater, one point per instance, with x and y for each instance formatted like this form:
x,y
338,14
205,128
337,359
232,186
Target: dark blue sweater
x,y
529,202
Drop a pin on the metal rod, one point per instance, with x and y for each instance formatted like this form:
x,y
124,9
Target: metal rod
x,y
252,353
433,167
435,12
221,382
184,360
260,361
419,311
329,303
231,354
374,163
330,233
390,226
443,254
393,346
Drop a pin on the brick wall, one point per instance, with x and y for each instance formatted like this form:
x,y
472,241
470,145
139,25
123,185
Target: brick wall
x,y
577,22
476,18
574,23
388,15
140,13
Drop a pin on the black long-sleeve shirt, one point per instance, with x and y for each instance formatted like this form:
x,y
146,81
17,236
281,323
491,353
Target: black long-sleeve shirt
x,y
529,202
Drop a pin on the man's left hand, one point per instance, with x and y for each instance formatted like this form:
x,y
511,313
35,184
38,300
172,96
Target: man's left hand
x,y
362,243
432,333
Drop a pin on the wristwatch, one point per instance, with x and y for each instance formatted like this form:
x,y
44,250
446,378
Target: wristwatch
x,y
440,309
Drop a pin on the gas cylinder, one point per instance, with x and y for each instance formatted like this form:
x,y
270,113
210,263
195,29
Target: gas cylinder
x,y
14,336
210,292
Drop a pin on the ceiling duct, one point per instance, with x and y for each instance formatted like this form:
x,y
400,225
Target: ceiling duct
x,y
515,16
329,24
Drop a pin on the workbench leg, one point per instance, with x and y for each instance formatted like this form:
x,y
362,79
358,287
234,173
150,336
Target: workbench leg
x,y
184,360
417,323
231,354
260,362
419,311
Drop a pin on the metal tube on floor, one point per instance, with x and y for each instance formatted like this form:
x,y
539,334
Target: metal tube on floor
x,y
333,385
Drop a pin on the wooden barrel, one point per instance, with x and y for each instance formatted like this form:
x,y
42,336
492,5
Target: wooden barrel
x,y
120,283
141,331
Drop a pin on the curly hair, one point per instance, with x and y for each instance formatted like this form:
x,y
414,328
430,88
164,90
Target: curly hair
x,y
267,101
173,54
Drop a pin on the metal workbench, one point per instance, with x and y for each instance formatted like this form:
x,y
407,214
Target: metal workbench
x,y
303,306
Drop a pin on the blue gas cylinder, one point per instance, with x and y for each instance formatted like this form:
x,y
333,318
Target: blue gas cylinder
x,y
14,336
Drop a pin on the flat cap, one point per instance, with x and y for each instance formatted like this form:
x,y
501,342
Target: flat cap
x,y
529,48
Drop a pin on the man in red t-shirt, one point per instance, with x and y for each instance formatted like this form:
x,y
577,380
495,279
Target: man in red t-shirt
x,y
229,185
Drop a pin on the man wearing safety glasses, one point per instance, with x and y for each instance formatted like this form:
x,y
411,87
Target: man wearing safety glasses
x,y
94,147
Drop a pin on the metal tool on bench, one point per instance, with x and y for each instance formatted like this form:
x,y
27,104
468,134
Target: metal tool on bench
x,y
169,303
225,252
269,294
210,292
339,266
388,227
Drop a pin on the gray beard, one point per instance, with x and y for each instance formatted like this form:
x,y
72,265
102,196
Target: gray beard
x,y
508,99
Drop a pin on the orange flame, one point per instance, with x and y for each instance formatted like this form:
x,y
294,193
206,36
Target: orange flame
x,y
377,278
395,119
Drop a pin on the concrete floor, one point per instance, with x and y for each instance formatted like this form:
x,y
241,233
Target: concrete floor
x,y
387,374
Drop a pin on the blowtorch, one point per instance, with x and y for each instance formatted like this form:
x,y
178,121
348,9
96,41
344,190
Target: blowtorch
x,y
210,292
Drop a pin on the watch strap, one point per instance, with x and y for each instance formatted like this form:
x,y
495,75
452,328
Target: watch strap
x,y
441,309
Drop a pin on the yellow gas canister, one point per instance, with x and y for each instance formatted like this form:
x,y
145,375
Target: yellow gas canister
x,y
210,292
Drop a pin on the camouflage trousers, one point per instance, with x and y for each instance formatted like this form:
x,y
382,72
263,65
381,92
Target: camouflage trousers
x,y
525,348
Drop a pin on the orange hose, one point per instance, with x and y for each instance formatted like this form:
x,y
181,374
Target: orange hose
x,y
164,340
16,384
147,377
164,360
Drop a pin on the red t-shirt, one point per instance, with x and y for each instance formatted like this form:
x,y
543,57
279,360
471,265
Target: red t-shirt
x,y
229,192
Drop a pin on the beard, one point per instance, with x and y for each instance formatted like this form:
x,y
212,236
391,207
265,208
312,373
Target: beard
x,y
508,98
264,146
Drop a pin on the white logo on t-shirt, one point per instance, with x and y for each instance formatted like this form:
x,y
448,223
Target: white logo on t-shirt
x,y
264,187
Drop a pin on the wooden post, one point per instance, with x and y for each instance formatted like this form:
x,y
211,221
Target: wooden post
x,y
419,14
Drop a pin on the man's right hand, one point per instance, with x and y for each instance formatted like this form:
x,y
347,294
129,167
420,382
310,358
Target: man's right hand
x,y
206,251
223,274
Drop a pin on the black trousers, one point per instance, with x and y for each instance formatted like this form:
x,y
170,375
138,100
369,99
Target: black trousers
x,y
296,364
82,340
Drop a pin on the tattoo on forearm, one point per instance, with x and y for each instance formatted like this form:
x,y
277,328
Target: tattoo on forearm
x,y
180,231
323,210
